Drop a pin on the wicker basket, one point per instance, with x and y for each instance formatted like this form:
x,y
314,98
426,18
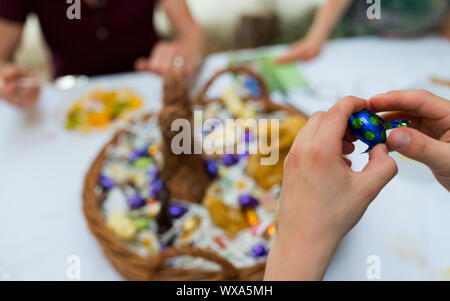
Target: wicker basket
x,y
135,267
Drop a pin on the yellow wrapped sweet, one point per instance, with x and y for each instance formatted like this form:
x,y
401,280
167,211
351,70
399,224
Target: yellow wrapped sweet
x,y
122,225
229,219
268,175
236,106
189,226
150,242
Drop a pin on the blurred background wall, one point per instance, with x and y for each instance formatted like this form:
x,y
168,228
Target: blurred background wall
x,y
229,24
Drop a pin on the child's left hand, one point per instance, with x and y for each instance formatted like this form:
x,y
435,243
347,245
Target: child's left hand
x,y
322,198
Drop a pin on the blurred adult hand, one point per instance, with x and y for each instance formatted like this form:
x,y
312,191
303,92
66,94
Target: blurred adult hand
x,y
428,138
17,91
322,198
183,56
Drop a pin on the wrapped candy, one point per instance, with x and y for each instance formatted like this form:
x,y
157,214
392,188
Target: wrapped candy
x,y
141,223
136,201
219,241
152,171
236,106
247,201
106,182
189,226
122,225
229,219
156,188
211,168
230,159
135,154
153,149
191,223
252,217
150,242
259,251
270,231
371,128
177,211
143,162
253,86
152,208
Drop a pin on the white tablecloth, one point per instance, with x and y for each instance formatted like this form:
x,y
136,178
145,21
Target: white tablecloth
x,y
42,168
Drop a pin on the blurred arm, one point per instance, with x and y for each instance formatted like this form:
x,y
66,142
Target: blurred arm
x,y
11,34
181,19
327,17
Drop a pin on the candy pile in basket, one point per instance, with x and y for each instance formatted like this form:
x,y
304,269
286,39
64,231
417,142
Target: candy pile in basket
x,y
154,200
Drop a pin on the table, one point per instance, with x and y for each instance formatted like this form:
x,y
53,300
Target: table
x,y
42,168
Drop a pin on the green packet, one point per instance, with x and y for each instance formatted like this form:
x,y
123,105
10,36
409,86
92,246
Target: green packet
x,y
279,77
289,76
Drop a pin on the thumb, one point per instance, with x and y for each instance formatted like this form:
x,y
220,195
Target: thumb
x,y
378,172
418,146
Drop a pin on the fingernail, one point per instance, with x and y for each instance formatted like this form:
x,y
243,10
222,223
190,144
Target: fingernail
x,y
399,140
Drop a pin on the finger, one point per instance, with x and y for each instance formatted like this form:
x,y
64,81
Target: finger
x,y
10,89
154,63
188,68
157,57
334,125
167,60
415,120
417,146
294,54
421,102
347,147
305,136
141,64
310,129
11,72
417,123
377,173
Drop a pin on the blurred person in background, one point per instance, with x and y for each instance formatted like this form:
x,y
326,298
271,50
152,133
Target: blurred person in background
x,y
406,18
110,37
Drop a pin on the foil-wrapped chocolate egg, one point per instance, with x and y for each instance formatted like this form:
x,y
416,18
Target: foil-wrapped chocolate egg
x,y
371,128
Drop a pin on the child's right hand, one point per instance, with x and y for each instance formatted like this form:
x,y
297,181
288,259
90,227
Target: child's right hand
x,y
428,141
13,92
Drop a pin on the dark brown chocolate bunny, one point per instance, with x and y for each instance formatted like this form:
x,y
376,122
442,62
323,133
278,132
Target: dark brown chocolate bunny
x,y
184,174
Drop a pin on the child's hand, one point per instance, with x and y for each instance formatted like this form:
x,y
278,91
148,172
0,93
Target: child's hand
x,y
13,91
428,141
304,50
322,198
